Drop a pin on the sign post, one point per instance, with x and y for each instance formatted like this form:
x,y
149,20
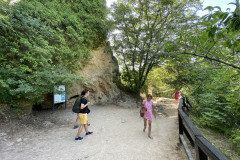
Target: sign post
x,y
59,95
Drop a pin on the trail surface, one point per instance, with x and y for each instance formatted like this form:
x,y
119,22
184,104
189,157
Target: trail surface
x,y
117,135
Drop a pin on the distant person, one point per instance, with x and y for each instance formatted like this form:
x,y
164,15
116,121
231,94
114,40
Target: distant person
x,y
147,105
83,115
176,96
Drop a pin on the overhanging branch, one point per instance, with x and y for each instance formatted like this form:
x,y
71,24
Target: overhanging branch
x,y
212,59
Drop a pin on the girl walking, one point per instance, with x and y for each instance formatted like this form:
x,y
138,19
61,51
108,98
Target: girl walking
x,y
176,96
83,115
148,108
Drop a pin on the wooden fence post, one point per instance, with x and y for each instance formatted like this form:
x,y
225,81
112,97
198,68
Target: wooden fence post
x,y
200,155
180,124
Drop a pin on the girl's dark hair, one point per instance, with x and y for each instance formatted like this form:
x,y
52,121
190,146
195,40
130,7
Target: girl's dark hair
x,y
149,96
84,92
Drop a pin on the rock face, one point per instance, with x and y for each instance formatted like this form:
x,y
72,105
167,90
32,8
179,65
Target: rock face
x,y
102,73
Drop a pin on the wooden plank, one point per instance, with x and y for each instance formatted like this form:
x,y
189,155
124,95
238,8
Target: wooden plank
x,y
211,151
187,150
180,105
200,155
185,103
189,136
180,125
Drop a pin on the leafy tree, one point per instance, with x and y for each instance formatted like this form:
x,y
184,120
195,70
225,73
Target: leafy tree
x,y
157,78
171,48
213,91
43,42
214,38
170,77
144,28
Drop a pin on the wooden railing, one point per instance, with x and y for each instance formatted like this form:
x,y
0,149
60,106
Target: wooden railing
x,y
203,149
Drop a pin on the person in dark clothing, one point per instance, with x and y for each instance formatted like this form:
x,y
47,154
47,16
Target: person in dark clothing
x,y
83,115
77,119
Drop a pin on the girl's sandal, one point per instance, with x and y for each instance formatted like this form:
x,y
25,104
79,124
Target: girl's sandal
x,y
150,137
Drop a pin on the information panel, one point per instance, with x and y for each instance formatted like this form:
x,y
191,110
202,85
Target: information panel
x,y
59,94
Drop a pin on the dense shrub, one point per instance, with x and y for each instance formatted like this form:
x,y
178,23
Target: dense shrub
x,y
42,43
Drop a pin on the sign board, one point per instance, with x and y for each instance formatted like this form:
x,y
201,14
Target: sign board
x,y
59,94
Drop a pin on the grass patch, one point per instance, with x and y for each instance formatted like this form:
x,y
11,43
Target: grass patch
x,y
219,140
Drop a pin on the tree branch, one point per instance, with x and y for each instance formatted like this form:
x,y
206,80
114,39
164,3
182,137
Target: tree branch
x,y
212,59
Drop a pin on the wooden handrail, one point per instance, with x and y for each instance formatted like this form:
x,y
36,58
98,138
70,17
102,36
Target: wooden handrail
x,y
203,148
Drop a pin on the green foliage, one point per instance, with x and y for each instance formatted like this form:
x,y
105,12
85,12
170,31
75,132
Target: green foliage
x,y
210,90
43,42
211,76
158,77
145,30
18,111
214,37
236,137
199,55
128,79
221,19
214,91
215,95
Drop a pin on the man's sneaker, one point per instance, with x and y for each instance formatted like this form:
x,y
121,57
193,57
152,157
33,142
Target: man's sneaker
x,y
78,139
89,133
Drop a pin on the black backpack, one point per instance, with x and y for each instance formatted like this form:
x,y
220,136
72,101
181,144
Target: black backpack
x,y
76,106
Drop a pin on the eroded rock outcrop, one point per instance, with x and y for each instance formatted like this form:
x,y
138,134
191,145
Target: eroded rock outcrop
x,y
102,73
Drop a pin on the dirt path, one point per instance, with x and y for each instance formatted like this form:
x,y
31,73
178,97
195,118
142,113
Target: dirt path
x,y
117,135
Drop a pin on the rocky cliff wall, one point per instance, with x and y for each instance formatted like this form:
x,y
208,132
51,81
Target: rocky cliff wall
x,y
102,74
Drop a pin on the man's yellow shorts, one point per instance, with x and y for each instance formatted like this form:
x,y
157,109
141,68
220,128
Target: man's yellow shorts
x,y
83,118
